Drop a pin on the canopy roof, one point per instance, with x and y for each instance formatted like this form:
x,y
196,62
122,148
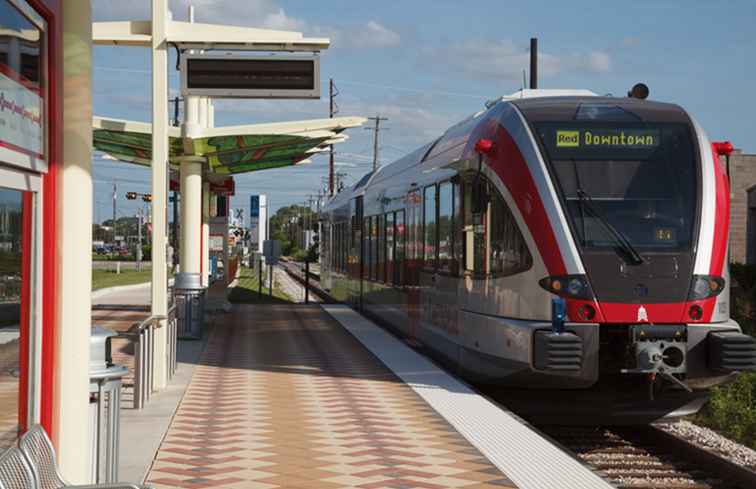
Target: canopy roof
x,y
227,150
205,36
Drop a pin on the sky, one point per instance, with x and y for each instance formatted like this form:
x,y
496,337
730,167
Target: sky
x,y
425,65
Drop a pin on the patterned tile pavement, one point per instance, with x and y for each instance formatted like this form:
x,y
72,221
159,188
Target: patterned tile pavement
x,y
284,397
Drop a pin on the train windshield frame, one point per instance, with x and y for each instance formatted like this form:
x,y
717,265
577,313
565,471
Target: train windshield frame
x,y
640,178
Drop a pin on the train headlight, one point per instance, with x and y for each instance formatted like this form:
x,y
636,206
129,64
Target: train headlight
x,y
570,286
705,286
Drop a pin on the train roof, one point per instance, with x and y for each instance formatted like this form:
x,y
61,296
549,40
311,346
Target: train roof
x,y
609,109
536,106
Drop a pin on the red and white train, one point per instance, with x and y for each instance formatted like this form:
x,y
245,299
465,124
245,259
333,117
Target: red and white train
x,y
615,209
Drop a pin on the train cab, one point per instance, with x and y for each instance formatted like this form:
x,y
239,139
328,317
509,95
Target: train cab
x,y
552,241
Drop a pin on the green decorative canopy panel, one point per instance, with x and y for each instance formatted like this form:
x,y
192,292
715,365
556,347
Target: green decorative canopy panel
x,y
239,151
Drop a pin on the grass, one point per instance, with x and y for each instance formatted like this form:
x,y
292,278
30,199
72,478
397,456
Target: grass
x,y
246,292
106,278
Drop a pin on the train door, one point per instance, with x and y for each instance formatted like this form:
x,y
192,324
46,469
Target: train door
x,y
356,254
413,260
438,278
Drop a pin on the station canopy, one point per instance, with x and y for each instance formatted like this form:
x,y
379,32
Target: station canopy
x,y
227,150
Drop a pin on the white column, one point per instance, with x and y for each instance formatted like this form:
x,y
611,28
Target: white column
x,y
159,188
203,112
206,234
191,216
74,230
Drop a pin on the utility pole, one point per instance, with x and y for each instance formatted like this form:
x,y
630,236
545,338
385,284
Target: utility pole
x,y
333,91
376,130
115,194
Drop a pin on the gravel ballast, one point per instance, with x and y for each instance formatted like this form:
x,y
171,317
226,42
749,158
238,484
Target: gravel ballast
x,y
707,438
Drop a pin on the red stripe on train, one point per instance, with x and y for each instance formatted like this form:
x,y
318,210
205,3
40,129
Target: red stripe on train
x,y
722,218
510,165
675,313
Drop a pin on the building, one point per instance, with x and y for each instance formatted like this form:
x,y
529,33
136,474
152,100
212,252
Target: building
x,y
743,208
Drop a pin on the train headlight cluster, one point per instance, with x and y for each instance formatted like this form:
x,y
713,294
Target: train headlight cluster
x,y
569,286
705,286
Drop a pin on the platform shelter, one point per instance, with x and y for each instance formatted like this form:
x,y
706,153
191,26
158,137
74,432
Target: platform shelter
x,y
46,195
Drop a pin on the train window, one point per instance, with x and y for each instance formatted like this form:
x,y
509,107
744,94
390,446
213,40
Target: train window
x,y
430,230
367,239
340,240
494,244
508,252
344,247
445,226
458,223
399,238
390,252
374,247
381,245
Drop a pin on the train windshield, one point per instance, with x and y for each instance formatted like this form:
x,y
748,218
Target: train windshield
x,y
625,186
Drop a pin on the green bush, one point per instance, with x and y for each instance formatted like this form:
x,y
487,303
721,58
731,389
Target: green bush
x,y
299,255
731,410
743,296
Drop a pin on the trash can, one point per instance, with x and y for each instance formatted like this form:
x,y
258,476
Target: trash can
x,y
104,406
190,305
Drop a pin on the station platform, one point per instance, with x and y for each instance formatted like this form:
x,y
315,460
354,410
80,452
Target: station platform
x,y
309,396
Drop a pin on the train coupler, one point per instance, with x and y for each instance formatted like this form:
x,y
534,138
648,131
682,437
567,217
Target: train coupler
x,y
660,352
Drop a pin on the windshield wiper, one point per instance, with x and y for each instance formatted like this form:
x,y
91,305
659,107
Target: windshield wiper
x,y
628,251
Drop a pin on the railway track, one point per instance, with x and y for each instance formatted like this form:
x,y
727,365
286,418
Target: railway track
x,y
647,457
635,457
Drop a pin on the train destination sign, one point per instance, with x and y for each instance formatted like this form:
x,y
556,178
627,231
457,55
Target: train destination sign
x,y
607,138
565,141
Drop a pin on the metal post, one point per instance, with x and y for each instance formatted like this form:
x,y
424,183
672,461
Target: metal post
x,y
270,289
330,162
98,429
115,204
138,372
259,276
139,239
307,281
533,63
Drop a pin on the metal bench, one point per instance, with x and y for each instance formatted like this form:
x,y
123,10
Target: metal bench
x,y
33,466
15,471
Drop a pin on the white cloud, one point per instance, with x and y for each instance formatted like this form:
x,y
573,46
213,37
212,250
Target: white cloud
x,y
600,62
253,13
505,59
373,35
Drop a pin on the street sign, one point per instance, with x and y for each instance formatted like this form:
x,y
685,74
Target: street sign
x,y
258,217
216,242
271,251
240,76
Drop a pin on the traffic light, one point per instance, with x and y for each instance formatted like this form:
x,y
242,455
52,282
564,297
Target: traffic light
x,y
131,195
147,197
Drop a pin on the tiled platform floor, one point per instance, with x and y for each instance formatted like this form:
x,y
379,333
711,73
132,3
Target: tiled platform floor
x,y
285,397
